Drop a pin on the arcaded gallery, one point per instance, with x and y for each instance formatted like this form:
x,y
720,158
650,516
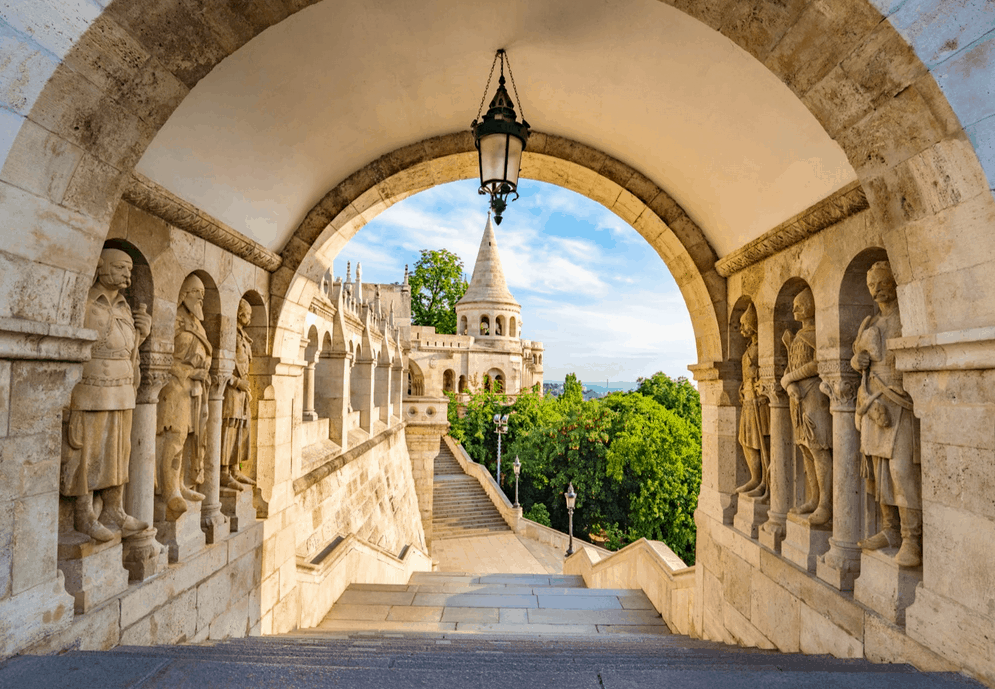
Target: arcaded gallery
x,y
207,434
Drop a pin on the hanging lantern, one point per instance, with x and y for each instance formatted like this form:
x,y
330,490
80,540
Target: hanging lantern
x,y
500,140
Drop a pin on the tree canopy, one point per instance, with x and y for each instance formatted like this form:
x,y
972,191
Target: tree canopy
x,y
437,283
634,462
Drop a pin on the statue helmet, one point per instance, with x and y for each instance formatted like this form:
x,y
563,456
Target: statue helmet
x,y
749,317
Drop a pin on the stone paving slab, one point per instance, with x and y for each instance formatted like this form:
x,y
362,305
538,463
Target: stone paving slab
x,y
385,626
63,672
350,597
633,629
474,601
379,587
345,611
478,615
528,629
640,602
594,617
579,602
404,613
514,616
476,589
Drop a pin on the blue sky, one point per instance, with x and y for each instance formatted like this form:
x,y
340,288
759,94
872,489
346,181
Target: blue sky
x,y
592,289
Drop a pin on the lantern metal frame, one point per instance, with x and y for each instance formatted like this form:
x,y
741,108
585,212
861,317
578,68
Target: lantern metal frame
x,y
500,119
571,497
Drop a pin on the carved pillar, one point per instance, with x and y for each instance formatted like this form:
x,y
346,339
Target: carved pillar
x,y
718,385
383,381
782,451
398,381
365,370
309,413
212,520
339,386
841,565
142,552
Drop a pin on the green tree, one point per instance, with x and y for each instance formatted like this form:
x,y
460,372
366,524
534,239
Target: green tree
x,y
680,396
437,283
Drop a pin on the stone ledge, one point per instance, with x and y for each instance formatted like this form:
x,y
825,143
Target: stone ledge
x,y
333,463
958,350
24,339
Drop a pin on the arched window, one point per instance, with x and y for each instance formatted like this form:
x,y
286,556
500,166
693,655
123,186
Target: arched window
x,y
485,325
416,381
462,383
487,383
449,381
512,326
462,325
498,383
499,326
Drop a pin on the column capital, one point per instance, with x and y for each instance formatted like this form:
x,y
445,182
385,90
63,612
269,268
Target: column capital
x,y
154,366
221,371
840,383
770,386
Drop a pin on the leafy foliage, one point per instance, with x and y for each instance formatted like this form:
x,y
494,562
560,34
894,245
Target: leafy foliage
x,y
539,514
437,283
634,462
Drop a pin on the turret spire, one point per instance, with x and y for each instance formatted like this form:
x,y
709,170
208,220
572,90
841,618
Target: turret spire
x,y
488,283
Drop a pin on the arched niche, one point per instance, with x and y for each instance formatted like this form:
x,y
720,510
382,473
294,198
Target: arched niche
x,y
258,328
855,302
213,319
449,380
416,380
512,328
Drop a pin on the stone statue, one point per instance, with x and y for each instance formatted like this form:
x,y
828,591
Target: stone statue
x,y
98,443
182,412
235,412
754,420
810,418
888,438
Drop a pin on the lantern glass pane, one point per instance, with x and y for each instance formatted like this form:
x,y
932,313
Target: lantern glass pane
x,y
514,159
492,155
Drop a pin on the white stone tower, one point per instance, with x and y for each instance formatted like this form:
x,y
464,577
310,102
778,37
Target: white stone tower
x,y
487,311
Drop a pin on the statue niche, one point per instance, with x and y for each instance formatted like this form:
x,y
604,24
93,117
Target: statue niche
x,y
754,420
183,409
235,410
810,418
888,438
98,441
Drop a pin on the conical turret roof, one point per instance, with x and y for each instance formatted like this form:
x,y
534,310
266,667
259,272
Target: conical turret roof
x,y
488,284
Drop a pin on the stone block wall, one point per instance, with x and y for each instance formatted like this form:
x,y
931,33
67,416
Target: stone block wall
x,y
368,491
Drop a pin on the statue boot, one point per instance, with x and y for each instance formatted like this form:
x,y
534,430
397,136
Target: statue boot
x,y
114,515
824,475
240,477
85,521
910,554
811,490
190,494
170,459
229,481
889,535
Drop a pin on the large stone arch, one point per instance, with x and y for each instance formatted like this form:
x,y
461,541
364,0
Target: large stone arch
x,y
632,196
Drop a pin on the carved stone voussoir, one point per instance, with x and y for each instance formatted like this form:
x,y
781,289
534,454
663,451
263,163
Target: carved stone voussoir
x,y
145,194
847,202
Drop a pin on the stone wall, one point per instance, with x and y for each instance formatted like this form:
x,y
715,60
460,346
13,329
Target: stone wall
x,y
771,579
367,491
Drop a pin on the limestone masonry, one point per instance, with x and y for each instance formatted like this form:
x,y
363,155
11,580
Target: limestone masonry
x,y
205,433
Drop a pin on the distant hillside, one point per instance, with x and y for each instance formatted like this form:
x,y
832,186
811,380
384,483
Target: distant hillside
x,y
624,385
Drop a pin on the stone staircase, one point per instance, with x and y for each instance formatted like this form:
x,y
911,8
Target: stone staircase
x,y
460,507
458,603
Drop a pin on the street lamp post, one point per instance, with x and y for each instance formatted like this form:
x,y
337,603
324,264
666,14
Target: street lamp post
x,y
517,466
571,497
501,426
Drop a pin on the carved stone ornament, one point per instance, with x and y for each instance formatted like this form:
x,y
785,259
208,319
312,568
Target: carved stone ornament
x,y
145,194
840,383
754,418
97,447
838,207
888,434
183,408
236,412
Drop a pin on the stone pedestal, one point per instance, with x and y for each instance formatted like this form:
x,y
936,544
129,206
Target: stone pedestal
x,y
212,520
840,566
884,586
184,537
772,532
750,514
237,506
803,543
144,556
92,569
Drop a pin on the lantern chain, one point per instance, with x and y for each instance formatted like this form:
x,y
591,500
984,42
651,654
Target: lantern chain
x,y
521,108
488,87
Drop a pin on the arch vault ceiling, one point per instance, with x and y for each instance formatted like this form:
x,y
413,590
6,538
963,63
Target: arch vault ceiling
x,y
272,128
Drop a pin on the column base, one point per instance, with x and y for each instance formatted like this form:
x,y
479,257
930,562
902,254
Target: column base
x,y
239,510
719,506
214,523
183,536
92,569
884,586
839,567
804,543
144,556
750,514
771,533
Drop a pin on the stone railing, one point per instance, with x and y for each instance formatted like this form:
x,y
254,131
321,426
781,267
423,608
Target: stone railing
x,y
351,560
647,565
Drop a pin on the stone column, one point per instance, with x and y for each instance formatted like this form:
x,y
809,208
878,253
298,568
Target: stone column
x,y
782,451
398,381
841,565
383,382
338,391
309,413
212,520
427,421
144,556
718,385
365,370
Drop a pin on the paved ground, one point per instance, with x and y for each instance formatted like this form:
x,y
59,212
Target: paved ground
x,y
384,661
536,605
504,552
